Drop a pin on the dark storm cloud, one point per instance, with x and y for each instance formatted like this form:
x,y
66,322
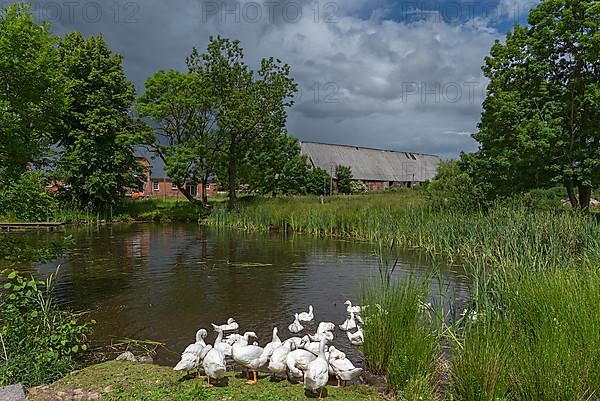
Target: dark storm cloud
x,y
365,76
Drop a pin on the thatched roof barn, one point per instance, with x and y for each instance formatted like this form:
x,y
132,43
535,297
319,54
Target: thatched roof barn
x,y
377,168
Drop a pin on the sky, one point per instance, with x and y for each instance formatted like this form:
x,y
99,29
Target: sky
x,y
399,75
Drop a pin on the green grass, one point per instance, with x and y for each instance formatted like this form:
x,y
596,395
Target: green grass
x,y
158,210
127,381
536,338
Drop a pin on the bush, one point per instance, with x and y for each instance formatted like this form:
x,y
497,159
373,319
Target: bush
x,y
27,199
454,187
358,187
40,341
318,182
344,179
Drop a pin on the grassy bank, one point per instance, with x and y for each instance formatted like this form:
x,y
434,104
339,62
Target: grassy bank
x,y
531,330
128,381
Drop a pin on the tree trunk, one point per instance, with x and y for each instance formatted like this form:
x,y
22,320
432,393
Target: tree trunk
x,y
571,193
232,172
189,197
204,183
585,194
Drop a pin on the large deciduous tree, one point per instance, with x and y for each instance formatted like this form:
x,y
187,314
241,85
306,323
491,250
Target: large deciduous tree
x,y
31,90
251,106
187,140
541,119
97,160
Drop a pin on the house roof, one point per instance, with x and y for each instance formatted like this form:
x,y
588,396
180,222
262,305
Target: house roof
x,y
370,164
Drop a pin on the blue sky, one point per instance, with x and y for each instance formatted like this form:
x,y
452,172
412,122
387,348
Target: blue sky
x,y
380,73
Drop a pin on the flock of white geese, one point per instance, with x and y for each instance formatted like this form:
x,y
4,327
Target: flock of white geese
x,y
304,359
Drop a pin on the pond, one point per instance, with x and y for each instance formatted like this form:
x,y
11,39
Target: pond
x,y
162,282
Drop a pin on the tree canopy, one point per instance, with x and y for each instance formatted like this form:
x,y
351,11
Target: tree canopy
x,y
540,121
97,160
32,98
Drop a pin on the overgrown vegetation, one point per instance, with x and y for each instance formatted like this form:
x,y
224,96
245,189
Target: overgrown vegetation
x,y
39,339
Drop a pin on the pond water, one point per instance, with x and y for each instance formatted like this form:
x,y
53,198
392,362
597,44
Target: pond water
x,y
163,282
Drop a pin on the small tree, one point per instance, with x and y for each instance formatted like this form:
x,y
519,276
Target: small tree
x,y
344,179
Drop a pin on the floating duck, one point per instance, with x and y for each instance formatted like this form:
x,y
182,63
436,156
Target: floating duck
x,y
350,308
231,325
316,375
295,327
306,317
349,324
190,358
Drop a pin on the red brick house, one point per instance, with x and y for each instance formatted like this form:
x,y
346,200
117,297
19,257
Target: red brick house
x,y
158,185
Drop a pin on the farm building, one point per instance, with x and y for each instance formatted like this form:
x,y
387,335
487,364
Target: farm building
x,y
157,183
378,169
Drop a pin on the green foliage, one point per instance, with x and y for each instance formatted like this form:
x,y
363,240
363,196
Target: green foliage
x,y
540,121
39,339
343,175
26,198
275,166
97,161
318,182
454,187
251,105
188,140
31,89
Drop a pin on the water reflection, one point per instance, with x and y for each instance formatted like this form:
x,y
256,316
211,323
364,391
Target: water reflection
x,y
163,282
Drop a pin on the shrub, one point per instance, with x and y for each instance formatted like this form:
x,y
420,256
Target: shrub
x,y
358,187
40,341
27,199
318,182
343,175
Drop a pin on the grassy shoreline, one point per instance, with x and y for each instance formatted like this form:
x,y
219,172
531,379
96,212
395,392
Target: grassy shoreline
x,y
534,275
131,381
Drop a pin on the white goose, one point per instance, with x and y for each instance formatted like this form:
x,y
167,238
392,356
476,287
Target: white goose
x,y
349,324
309,345
356,338
231,325
213,364
190,358
295,327
297,362
328,335
275,343
350,308
221,345
277,362
307,317
342,367
248,356
316,375
325,326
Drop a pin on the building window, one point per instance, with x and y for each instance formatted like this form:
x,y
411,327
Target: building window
x,y
155,186
192,190
173,186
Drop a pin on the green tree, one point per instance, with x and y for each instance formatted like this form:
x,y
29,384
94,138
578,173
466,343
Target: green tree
x,y
187,141
31,90
97,160
250,105
541,117
276,166
343,176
